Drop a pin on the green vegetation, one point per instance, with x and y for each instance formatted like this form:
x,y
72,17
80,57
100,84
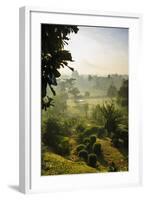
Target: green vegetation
x,y
112,91
81,137
92,139
53,56
92,159
97,149
83,154
112,117
81,147
84,126
54,164
123,94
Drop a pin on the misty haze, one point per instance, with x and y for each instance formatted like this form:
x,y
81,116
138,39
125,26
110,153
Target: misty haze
x,y
84,76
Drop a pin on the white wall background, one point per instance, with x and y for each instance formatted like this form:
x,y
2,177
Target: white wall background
x,y
9,85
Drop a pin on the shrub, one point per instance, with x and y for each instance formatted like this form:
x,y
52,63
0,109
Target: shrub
x,y
113,167
80,137
43,148
102,132
92,139
80,147
89,147
112,116
120,138
86,140
83,154
92,158
90,131
80,128
115,142
53,135
97,149
63,147
53,129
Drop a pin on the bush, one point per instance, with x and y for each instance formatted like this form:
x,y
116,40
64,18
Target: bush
x,y
43,148
113,167
83,154
52,130
115,142
97,149
63,147
102,132
80,128
120,138
91,131
80,147
92,139
92,159
89,147
80,137
112,116
86,140
54,136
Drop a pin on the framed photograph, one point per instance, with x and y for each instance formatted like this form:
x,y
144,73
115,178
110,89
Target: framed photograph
x,y
79,100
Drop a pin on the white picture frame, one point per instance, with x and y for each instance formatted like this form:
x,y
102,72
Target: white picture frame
x,y
29,160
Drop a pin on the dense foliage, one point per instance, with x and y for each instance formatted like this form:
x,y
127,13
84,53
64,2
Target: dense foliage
x,y
112,117
53,56
123,93
92,158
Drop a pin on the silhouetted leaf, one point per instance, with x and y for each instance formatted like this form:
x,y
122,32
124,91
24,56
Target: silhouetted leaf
x,y
53,54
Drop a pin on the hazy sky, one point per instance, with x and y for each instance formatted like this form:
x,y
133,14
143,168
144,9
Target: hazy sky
x,y
99,50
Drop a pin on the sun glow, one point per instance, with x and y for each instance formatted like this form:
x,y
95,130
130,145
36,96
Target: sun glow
x,y
99,50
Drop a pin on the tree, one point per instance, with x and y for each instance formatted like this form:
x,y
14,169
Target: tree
x,y
53,55
87,94
97,115
112,117
75,74
86,108
90,78
112,91
61,103
66,85
69,83
123,93
75,92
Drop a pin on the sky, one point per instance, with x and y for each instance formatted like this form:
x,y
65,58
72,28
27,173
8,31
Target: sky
x,y
98,51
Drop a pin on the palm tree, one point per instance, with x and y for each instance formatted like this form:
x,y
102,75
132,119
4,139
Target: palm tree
x,y
112,117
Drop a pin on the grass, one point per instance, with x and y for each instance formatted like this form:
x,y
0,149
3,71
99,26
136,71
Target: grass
x,y
90,101
111,154
56,165
78,108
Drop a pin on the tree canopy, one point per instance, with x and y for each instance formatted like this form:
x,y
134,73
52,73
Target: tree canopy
x,y
112,91
123,93
54,56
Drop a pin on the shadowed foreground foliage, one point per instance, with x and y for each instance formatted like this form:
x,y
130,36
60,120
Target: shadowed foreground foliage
x,y
53,56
